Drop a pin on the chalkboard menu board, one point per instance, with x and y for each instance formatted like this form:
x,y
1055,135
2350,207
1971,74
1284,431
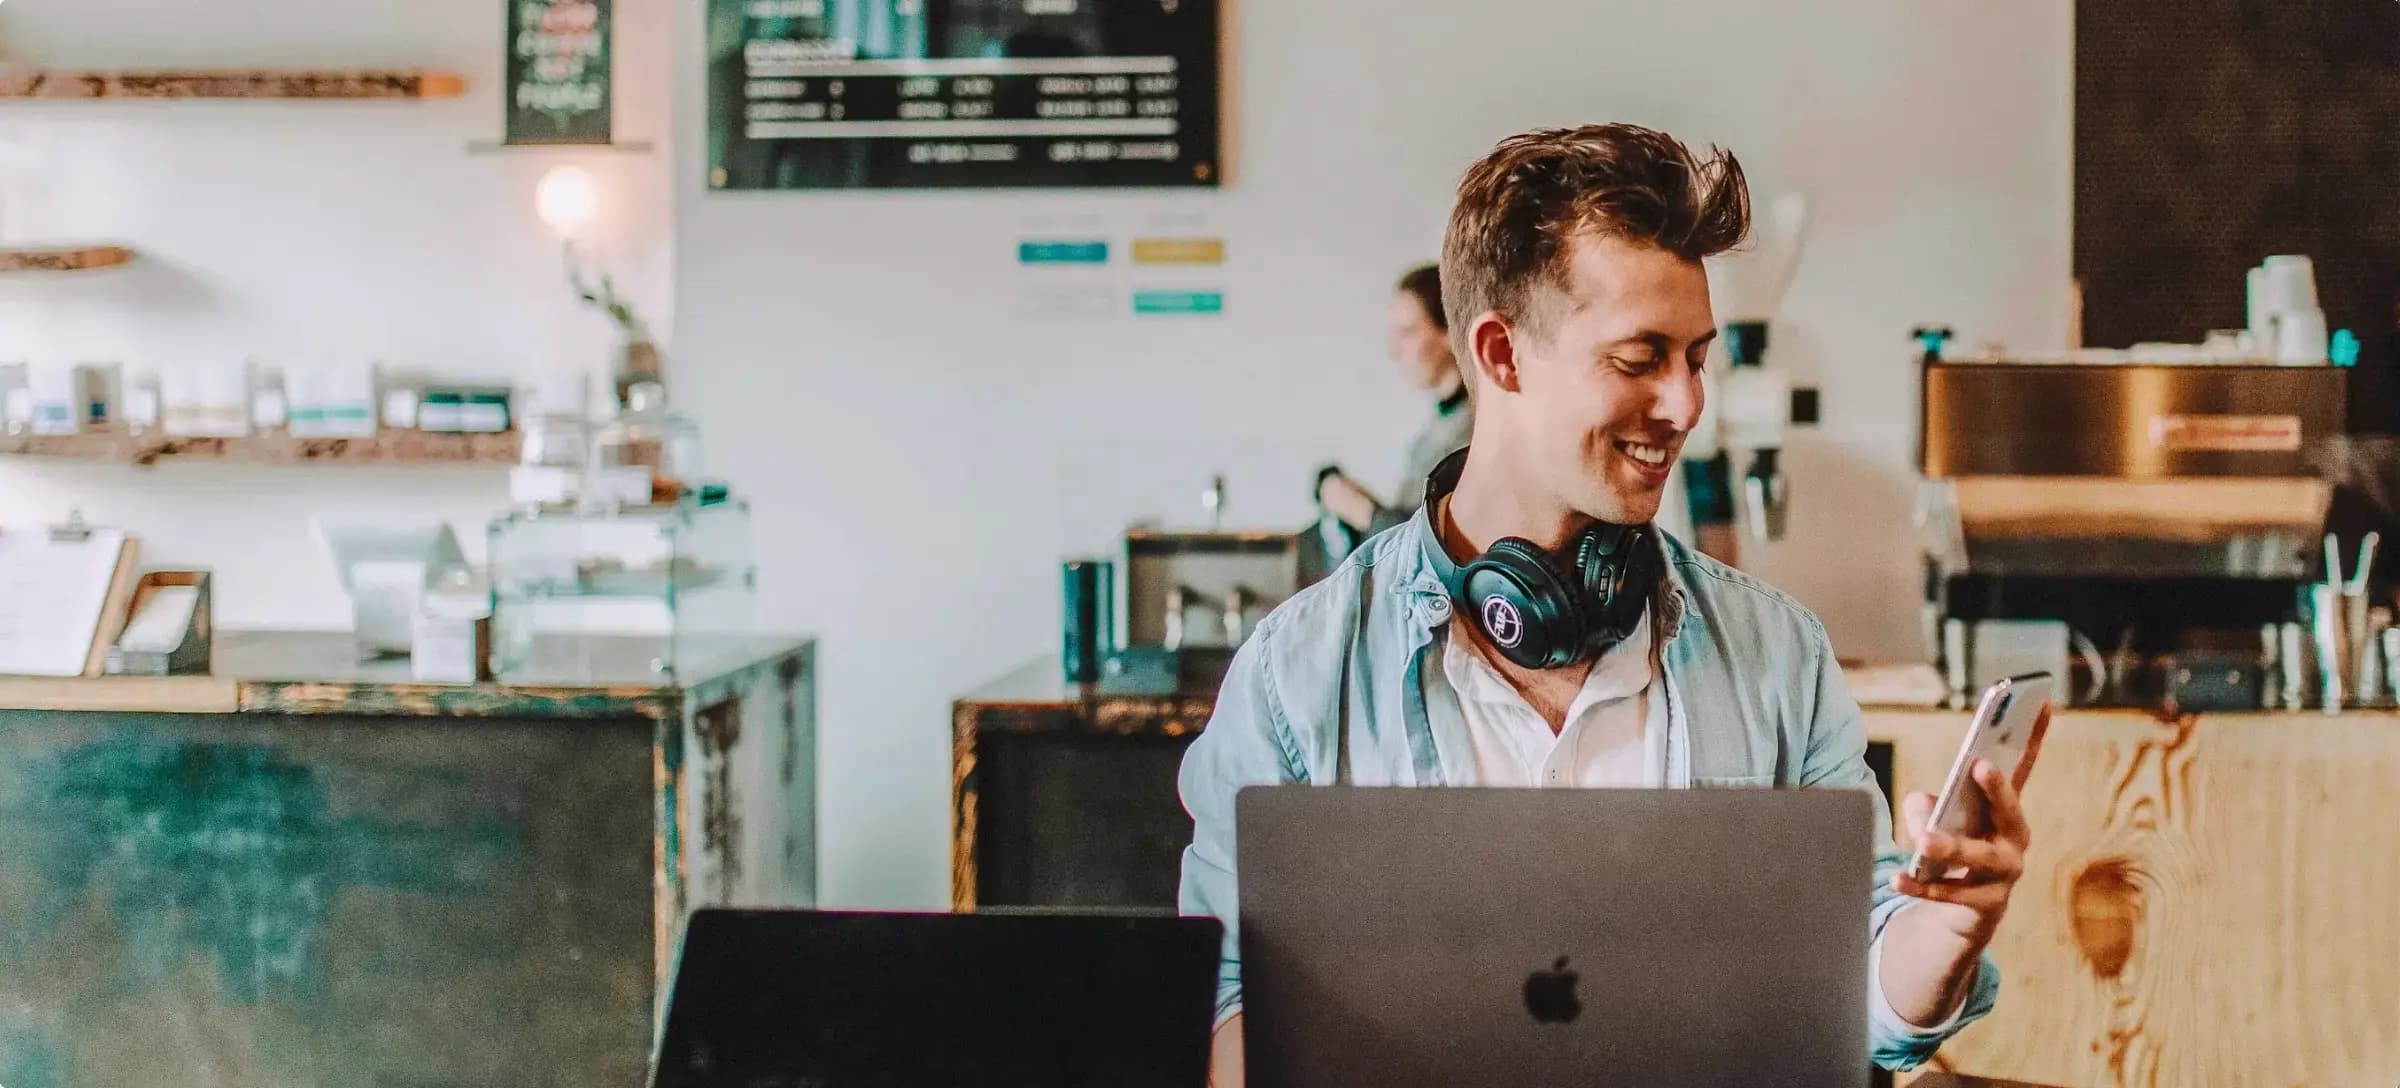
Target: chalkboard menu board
x,y
558,71
871,94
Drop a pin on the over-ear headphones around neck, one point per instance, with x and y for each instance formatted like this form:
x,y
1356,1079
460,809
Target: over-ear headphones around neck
x,y
1545,611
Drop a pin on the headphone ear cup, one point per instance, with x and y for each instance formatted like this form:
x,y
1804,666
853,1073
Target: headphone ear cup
x,y
1614,566
1542,576
1525,606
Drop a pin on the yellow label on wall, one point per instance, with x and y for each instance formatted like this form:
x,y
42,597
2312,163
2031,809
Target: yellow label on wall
x,y
1179,251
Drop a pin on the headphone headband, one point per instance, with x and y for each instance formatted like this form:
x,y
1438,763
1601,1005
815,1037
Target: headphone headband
x,y
1438,485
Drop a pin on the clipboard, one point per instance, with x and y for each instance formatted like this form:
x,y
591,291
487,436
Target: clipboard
x,y
64,593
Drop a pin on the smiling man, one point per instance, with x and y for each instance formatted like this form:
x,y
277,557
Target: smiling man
x,y
1529,628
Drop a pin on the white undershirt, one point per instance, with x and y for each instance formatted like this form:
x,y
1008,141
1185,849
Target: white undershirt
x,y
1615,732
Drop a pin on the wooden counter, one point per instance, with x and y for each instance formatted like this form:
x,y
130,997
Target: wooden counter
x,y
2209,901
318,672
1088,781
305,870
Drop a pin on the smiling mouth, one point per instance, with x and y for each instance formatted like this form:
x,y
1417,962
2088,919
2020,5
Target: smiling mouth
x,y
1653,456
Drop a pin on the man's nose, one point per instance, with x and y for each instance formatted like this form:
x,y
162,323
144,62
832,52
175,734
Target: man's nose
x,y
1678,398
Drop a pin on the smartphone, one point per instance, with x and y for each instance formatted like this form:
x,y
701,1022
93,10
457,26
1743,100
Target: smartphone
x,y
2007,730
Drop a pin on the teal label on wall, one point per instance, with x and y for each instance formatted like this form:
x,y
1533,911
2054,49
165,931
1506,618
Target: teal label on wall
x,y
1062,253
1178,302
559,65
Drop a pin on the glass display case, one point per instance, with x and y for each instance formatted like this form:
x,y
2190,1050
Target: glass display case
x,y
634,594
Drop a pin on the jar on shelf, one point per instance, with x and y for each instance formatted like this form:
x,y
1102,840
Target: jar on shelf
x,y
554,449
648,453
558,440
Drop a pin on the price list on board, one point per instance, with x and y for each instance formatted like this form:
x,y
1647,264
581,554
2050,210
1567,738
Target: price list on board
x,y
819,94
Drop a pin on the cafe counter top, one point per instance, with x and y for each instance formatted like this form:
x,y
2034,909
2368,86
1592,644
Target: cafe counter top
x,y
318,672
1035,696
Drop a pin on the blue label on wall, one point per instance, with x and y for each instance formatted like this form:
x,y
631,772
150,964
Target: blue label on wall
x,y
1178,302
1062,253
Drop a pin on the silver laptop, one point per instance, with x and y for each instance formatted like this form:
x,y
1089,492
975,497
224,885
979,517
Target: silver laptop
x,y
1663,938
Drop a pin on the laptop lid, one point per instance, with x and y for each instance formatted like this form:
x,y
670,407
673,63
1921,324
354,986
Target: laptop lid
x,y
834,1000
1666,938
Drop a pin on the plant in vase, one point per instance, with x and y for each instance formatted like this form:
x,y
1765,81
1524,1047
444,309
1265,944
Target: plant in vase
x,y
638,360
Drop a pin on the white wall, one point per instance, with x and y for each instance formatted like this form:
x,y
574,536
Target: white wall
x,y
281,230
920,457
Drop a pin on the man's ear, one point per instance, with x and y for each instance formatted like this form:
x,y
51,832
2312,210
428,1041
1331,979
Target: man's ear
x,y
1492,345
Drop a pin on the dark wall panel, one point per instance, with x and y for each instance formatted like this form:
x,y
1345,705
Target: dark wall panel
x,y
2210,133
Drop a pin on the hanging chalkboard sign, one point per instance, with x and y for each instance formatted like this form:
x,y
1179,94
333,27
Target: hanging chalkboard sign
x,y
559,64
913,94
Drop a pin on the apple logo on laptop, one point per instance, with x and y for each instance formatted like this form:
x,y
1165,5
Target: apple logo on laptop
x,y
1550,995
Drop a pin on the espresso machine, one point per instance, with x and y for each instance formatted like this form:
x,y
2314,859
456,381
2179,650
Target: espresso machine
x,y
2147,531
1732,469
1168,614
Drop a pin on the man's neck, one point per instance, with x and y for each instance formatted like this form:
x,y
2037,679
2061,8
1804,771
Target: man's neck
x,y
1550,693
1492,502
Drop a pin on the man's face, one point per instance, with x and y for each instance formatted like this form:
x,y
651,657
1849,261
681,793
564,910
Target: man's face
x,y
1605,400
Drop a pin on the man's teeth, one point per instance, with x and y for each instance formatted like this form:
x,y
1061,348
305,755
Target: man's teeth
x,y
1648,455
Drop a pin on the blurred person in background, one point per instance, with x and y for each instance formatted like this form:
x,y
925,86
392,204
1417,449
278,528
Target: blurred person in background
x,y
1420,345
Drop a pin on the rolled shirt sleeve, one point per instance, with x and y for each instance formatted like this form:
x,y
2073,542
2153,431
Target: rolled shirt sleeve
x,y
1247,743
1837,759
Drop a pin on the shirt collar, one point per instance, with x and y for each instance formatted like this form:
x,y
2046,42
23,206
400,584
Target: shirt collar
x,y
1669,604
1623,670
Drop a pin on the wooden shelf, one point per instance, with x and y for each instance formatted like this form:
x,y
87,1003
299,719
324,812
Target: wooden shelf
x,y
40,83
622,147
62,258
388,448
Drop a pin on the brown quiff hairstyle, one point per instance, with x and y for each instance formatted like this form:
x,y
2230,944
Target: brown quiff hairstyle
x,y
1522,206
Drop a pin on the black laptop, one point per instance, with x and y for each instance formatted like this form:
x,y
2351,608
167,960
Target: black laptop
x,y
792,998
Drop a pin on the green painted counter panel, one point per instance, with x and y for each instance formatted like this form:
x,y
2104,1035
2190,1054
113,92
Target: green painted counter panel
x,y
223,900
345,881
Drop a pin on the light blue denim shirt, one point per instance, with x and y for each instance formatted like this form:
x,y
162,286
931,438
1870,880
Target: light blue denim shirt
x,y
1755,698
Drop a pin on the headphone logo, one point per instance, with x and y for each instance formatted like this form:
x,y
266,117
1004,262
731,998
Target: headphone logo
x,y
1501,621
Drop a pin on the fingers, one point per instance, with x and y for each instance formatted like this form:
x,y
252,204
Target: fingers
x,y
2002,805
1916,811
1980,897
1972,861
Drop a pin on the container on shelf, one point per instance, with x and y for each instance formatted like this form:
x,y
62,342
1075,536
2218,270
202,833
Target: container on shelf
x,y
648,438
635,593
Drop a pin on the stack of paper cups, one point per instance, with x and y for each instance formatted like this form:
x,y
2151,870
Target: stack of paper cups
x,y
2291,282
2262,319
2300,338
2284,316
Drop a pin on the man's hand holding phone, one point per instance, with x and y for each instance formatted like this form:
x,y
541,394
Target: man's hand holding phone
x,y
1971,839
1970,851
1975,870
